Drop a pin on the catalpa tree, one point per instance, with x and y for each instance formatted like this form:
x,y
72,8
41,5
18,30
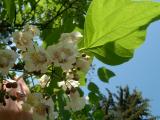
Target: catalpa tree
x,y
47,48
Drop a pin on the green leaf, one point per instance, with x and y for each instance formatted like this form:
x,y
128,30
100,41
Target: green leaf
x,y
9,5
93,98
32,3
68,25
56,75
51,36
19,17
108,54
105,74
119,22
80,91
93,87
36,88
121,19
20,3
61,103
82,79
98,115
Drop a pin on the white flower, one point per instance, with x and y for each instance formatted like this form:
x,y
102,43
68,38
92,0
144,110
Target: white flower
x,y
69,74
63,55
68,84
36,116
44,80
83,64
7,60
76,35
23,40
32,102
76,102
34,99
62,84
70,38
40,107
32,29
54,53
27,107
65,52
36,60
49,103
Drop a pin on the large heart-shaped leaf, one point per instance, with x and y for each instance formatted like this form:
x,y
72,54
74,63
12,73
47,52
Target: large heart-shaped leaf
x,y
122,22
109,54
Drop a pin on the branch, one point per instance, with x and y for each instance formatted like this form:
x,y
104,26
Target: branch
x,y
39,25
15,16
33,9
59,12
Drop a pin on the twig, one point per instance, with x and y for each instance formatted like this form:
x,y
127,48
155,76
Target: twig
x,y
15,17
59,12
33,9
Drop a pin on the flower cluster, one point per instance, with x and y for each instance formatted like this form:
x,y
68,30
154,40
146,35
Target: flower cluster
x,y
75,102
7,60
24,39
41,108
65,52
64,55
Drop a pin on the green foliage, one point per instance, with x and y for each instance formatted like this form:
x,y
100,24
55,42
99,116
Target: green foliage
x,y
64,114
125,105
105,74
10,7
93,98
93,87
107,54
123,24
122,105
98,114
56,74
68,16
83,114
82,79
94,95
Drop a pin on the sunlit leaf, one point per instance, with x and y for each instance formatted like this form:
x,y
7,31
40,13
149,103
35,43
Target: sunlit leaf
x,y
105,74
122,22
93,87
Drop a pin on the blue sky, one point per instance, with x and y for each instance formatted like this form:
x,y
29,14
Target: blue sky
x,y
141,72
